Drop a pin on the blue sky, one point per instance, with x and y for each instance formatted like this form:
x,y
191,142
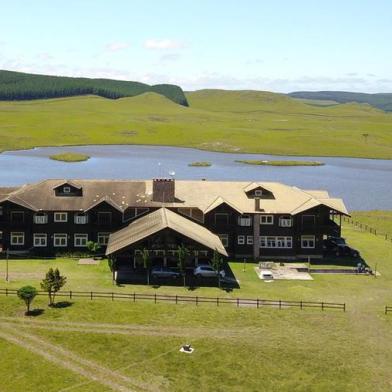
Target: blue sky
x,y
250,44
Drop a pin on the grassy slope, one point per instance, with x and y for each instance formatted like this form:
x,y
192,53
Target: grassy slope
x,y
380,220
217,120
265,350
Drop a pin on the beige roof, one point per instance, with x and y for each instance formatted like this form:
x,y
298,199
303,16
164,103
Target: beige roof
x,y
204,195
157,221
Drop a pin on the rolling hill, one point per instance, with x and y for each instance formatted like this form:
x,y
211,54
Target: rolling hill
x,y
230,121
23,86
380,101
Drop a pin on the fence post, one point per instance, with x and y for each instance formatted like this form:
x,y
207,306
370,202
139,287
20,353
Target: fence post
x,y
322,305
70,294
301,305
344,307
134,297
112,296
257,303
280,304
217,301
91,295
6,292
155,298
238,302
176,299
197,300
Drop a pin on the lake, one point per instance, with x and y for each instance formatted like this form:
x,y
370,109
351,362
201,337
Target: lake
x,y
363,183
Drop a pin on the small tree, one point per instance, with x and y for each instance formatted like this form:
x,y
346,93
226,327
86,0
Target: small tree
x,y
182,253
112,262
93,247
217,263
27,294
52,283
146,263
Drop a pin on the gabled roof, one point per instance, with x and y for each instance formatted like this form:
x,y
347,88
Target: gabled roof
x,y
105,199
68,182
204,195
217,202
157,221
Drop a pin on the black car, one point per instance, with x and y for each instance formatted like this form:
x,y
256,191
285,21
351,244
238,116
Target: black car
x,y
338,247
164,272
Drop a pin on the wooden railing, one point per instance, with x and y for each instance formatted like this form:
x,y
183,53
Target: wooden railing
x,y
160,298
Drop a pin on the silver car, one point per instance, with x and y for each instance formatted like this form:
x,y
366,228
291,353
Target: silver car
x,y
206,271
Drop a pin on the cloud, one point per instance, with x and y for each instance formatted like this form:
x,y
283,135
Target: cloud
x,y
116,46
162,44
170,57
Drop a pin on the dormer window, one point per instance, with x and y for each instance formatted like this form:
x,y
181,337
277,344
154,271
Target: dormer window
x,y
258,193
67,189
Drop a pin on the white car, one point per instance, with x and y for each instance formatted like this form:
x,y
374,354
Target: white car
x,y
266,275
206,271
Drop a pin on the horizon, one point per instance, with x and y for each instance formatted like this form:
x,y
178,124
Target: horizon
x,y
281,47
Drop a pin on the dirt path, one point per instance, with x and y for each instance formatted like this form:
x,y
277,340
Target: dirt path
x,y
128,329
67,359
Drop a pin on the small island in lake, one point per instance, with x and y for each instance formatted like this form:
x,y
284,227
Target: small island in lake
x,y
200,164
279,163
69,157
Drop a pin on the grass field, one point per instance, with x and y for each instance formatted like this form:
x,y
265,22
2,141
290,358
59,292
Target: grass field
x,y
233,121
380,220
134,346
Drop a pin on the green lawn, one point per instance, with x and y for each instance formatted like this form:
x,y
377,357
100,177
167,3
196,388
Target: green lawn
x,y
379,220
233,121
236,349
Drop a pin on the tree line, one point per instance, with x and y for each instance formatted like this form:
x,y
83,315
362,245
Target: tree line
x,y
22,86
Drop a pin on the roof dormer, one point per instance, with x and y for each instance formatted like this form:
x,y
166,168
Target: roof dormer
x,y
254,190
68,188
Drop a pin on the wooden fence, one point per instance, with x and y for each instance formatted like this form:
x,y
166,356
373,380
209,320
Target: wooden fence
x,y
369,229
160,298
388,309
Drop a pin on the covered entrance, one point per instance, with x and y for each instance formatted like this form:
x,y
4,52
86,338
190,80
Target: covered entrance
x,y
161,233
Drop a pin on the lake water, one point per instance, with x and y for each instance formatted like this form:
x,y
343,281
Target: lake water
x,y
362,183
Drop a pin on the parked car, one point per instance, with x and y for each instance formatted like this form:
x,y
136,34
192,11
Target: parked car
x,y
206,271
338,247
164,272
266,275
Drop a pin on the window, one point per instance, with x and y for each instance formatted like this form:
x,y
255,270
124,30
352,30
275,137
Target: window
x,y
40,218
244,220
60,240
40,240
17,238
60,216
285,221
67,189
17,216
80,218
80,240
221,218
225,239
266,219
104,218
258,193
203,253
241,240
308,220
308,241
103,238
276,242
249,239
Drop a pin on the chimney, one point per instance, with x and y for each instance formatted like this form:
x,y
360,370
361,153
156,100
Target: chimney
x,y
257,203
163,190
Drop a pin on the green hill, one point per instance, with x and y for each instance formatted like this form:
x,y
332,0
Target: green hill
x,y
23,86
381,101
230,121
